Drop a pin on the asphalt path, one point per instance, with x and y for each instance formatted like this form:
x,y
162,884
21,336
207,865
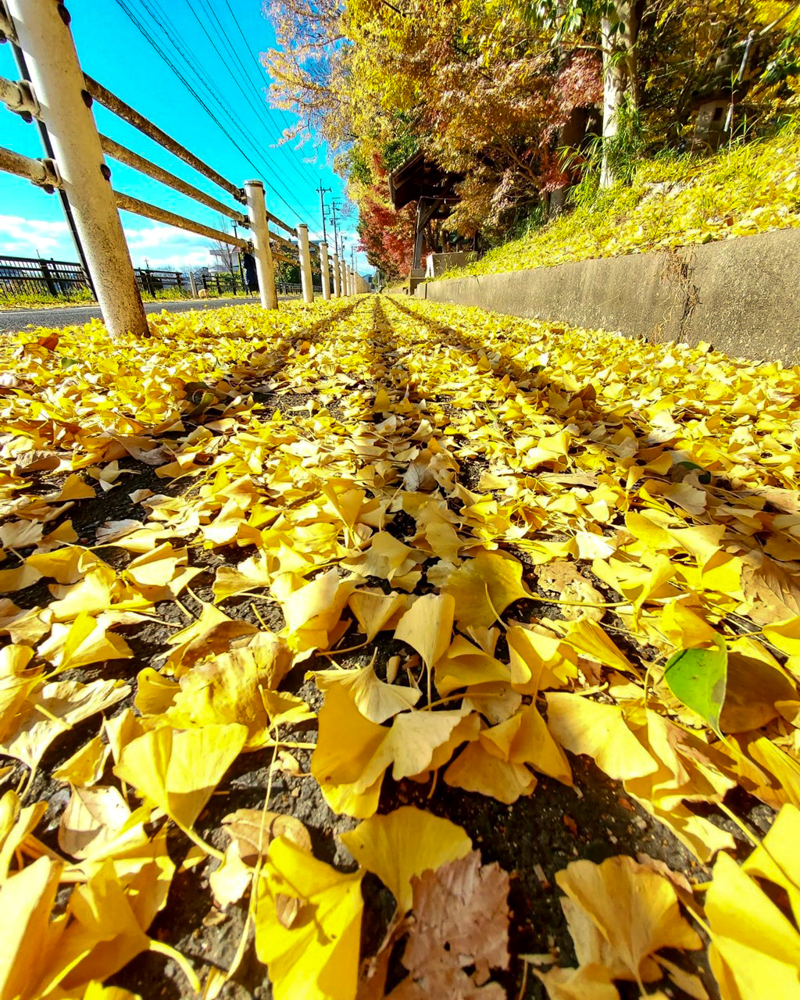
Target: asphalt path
x,y
12,320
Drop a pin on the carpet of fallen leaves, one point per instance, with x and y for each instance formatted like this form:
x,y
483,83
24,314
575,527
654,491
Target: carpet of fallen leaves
x,y
541,542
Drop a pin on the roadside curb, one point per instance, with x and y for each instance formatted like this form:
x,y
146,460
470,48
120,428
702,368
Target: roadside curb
x,y
740,295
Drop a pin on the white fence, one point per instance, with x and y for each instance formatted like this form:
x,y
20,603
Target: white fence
x,y
59,96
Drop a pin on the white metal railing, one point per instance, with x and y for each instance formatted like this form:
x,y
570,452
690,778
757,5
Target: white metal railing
x,y
60,96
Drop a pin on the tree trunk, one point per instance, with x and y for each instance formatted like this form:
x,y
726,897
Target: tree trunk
x,y
619,30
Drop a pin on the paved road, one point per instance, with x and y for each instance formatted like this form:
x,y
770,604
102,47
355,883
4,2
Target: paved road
x,y
12,320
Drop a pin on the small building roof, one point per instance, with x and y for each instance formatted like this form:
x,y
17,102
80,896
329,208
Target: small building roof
x,y
420,178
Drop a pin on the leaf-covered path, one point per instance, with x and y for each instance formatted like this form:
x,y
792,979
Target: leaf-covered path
x,y
396,649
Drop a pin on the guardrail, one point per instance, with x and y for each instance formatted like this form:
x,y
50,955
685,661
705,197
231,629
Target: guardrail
x,y
36,276
55,91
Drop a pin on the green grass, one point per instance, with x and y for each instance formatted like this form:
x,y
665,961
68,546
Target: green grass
x,y
745,189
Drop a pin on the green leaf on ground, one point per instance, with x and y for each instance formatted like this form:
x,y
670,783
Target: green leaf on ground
x,y
698,677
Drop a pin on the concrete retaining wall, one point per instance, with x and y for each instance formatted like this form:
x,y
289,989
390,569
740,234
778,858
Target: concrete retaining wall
x,y
741,295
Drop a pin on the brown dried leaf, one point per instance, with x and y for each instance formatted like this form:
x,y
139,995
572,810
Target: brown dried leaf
x,y
36,461
770,589
252,830
562,577
462,918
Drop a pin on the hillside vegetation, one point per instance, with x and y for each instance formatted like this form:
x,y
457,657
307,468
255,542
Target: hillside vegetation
x,y
670,202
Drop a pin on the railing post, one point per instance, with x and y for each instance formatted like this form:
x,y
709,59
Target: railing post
x,y
342,281
51,287
324,274
259,227
305,263
42,28
337,291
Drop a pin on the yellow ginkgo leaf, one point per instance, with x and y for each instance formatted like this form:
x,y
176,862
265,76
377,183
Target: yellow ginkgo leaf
x,y
539,661
411,743
376,611
193,637
525,739
584,726
376,700
92,819
785,635
464,664
27,933
476,770
308,925
85,767
107,924
467,731
684,628
179,771
588,982
317,605
225,689
403,844
346,741
427,626
252,574
591,640
53,710
16,822
785,768
154,692
485,586
634,908
386,558
776,856
84,642
16,683
755,950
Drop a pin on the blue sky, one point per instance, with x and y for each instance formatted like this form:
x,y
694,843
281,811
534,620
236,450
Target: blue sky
x,y
114,52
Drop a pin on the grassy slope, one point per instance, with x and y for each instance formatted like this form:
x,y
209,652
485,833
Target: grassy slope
x,y
744,190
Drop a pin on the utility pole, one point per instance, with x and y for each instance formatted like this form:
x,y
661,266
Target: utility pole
x,y
322,192
334,209
239,258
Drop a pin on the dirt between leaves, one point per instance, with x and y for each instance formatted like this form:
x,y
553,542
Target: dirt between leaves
x,y
531,840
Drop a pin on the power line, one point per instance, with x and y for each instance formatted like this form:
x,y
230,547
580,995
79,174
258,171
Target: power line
x,y
186,55
260,104
258,108
256,63
157,48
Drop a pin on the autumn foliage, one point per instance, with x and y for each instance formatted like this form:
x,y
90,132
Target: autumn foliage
x,y
525,99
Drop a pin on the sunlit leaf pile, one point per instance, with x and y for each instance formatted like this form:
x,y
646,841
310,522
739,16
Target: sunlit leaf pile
x,y
683,201
485,546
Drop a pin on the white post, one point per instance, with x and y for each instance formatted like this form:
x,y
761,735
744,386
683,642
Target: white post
x,y
259,227
57,81
337,291
192,285
305,263
351,281
343,277
323,267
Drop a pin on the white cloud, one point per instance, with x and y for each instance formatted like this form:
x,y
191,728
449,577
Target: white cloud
x,y
29,235
191,258
156,236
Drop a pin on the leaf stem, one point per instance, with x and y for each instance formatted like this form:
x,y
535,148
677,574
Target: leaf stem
x,y
197,839
160,948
